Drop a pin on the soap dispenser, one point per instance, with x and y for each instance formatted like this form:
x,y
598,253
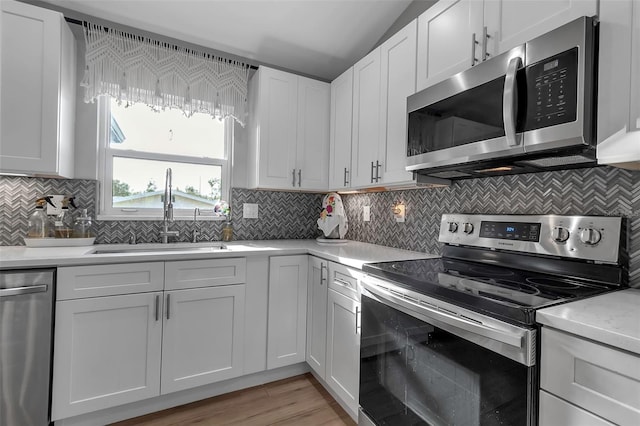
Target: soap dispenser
x,y
63,223
82,225
39,225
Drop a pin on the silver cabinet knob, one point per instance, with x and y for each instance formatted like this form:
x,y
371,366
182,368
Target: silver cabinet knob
x,y
590,236
560,234
467,228
453,227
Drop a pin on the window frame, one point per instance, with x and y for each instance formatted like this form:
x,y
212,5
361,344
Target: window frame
x,y
105,172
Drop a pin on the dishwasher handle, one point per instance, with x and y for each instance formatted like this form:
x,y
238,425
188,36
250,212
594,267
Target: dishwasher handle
x,y
19,291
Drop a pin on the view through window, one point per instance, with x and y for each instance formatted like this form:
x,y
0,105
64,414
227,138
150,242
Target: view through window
x,y
143,143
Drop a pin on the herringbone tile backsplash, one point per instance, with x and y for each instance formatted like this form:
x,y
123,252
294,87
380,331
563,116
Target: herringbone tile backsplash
x,y
286,215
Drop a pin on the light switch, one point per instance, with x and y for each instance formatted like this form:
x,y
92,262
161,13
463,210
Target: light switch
x,y
366,213
249,211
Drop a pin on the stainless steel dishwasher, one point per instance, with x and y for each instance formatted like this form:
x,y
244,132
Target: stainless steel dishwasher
x,y
26,323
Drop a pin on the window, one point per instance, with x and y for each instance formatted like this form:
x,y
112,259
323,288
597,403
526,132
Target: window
x,y
137,147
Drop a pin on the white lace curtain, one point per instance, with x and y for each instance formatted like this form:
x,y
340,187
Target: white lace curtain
x,y
135,69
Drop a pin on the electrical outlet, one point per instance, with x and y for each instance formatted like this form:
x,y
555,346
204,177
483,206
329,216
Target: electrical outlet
x,y
250,211
366,213
399,212
57,200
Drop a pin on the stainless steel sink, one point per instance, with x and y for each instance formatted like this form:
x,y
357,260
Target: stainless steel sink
x,y
161,248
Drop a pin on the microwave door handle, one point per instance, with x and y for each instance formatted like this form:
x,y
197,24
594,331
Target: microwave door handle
x,y
510,99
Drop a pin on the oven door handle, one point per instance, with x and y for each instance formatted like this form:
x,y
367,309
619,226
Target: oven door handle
x,y
505,336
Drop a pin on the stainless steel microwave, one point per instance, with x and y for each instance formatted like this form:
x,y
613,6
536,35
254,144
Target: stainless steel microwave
x,y
529,109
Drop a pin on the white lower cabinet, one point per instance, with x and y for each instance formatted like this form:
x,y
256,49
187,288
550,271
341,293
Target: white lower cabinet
x,y
117,349
107,352
202,336
317,315
343,335
287,322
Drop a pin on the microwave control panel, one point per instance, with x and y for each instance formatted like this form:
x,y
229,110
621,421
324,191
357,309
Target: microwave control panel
x,y
552,87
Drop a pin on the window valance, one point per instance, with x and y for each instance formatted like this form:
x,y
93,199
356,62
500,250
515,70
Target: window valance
x,y
136,69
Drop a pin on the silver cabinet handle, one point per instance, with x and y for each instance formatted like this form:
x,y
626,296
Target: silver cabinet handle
x,y
346,173
342,282
323,268
372,167
19,291
293,176
378,165
299,178
473,49
157,307
485,42
357,315
168,305
510,99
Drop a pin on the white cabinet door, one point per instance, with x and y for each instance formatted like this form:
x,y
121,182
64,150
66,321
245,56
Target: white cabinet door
x,y
313,134
37,112
343,348
275,127
317,315
398,80
635,69
510,23
202,337
445,40
287,323
366,113
107,352
340,137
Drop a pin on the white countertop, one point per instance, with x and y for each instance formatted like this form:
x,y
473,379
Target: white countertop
x,y
351,253
612,318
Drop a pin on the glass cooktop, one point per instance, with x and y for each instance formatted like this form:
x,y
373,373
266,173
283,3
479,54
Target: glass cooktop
x,y
511,294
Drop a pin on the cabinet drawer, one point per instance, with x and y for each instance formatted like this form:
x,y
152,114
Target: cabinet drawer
x,y
77,282
204,273
345,280
604,380
554,411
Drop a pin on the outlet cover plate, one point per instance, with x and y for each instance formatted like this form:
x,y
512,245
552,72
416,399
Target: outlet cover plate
x,y
250,211
366,213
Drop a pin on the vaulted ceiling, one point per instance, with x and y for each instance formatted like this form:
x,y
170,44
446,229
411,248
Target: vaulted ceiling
x,y
320,38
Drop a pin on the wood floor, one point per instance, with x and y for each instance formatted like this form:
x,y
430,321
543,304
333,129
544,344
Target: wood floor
x,y
299,400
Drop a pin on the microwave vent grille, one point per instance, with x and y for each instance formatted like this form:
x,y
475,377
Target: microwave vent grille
x,y
450,174
557,161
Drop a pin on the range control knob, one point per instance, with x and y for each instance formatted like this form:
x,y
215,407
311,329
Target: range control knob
x,y
590,236
560,234
453,227
467,228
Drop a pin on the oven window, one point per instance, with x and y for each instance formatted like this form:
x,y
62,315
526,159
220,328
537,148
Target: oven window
x,y
412,373
470,116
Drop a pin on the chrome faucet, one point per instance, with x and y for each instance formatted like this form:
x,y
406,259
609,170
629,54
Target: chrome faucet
x,y
168,210
195,232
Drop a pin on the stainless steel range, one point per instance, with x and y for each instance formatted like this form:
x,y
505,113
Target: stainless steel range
x,y
453,340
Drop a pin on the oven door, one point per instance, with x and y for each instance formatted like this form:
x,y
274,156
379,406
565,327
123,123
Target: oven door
x,y
420,370
468,117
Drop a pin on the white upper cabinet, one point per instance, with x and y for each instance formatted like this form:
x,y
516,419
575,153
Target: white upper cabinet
x,y
340,134
510,23
454,35
446,34
38,76
289,133
398,81
366,113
